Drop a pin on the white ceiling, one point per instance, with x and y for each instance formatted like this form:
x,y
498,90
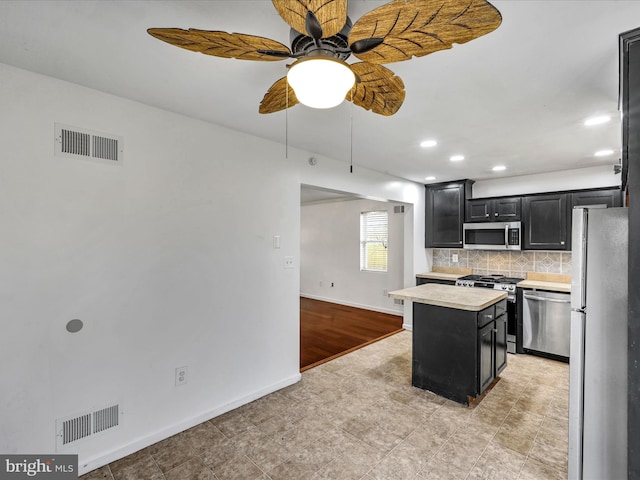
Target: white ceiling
x,y
517,96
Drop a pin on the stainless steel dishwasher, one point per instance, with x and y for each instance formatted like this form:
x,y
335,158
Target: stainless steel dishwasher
x,y
546,322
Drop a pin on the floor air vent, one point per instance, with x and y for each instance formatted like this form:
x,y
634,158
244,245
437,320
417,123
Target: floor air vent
x,y
87,424
74,142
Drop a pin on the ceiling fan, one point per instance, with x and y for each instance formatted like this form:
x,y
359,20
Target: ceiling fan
x,y
323,37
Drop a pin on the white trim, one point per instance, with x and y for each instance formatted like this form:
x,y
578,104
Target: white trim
x,y
353,304
140,443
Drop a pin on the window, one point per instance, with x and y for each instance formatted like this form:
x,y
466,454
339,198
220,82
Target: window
x,y
374,236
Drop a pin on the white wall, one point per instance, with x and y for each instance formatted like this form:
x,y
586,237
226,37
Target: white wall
x,y
330,254
168,259
592,177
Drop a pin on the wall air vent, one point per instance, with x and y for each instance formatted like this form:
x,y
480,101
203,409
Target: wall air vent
x,y
86,424
74,142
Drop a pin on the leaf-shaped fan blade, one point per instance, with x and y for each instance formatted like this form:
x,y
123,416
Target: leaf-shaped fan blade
x,y
223,44
332,14
378,90
411,28
276,97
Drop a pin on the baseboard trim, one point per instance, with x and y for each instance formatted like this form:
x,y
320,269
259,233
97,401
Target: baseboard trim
x,y
353,304
98,461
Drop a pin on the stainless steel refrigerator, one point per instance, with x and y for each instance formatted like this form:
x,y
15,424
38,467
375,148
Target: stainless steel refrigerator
x,y
598,356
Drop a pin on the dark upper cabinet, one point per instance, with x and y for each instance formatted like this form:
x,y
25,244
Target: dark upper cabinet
x,y
444,213
609,197
503,209
546,222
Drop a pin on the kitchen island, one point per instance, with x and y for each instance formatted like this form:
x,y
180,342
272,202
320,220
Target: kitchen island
x,y
459,338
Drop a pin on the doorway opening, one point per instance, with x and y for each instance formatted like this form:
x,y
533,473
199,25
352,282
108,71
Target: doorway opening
x,y
343,306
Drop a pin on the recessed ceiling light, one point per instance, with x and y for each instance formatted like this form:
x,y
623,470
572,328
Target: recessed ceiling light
x,y
597,120
457,158
428,143
499,168
603,153
430,178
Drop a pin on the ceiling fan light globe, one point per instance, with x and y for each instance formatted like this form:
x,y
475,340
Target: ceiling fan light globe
x,y
321,82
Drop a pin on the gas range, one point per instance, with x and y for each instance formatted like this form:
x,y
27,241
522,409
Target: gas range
x,y
495,282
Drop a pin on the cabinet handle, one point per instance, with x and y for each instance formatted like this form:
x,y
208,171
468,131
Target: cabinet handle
x,y
562,243
495,330
495,214
490,316
486,214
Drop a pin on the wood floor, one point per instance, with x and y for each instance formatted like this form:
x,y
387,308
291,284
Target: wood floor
x,y
329,330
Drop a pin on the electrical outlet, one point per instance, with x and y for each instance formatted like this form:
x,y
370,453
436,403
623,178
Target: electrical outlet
x,y
454,257
288,262
181,376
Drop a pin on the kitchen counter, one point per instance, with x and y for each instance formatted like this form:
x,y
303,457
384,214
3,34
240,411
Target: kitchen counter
x,y
440,276
445,273
553,282
550,286
459,339
461,298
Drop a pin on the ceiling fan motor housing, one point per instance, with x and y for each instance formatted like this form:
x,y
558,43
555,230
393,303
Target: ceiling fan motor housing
x,y
336,46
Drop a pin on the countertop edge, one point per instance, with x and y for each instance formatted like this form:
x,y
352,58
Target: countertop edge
x,y
551,286
440,275
411,295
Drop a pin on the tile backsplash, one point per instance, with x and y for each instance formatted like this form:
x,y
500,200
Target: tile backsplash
x,y
512,264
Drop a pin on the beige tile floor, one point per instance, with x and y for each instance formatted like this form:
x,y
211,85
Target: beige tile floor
x,y
358,417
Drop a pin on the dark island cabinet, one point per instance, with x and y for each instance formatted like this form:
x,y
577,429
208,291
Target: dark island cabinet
x,y
546,222
503,209
487,360
444,213
609,198
458,353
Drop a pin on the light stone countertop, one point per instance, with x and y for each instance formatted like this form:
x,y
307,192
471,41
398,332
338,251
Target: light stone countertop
x,y
440,275
462,298
541,285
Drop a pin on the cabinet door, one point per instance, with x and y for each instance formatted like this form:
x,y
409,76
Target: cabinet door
x,y
506,209
501,344
477,210
610,198
486,362
444,214
546,223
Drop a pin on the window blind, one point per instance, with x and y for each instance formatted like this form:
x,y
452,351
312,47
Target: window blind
x,y
374,236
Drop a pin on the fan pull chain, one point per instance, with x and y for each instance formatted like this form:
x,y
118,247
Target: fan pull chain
x,y
351,134
286,123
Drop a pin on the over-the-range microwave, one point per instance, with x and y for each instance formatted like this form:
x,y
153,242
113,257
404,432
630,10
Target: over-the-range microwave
x,y
492,236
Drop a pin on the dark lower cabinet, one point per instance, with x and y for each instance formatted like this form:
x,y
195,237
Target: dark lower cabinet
x,y
546,222
487,361
501,344
492,346
458,353
422,281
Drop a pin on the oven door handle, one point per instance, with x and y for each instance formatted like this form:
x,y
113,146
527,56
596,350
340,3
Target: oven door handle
x,y
506,236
